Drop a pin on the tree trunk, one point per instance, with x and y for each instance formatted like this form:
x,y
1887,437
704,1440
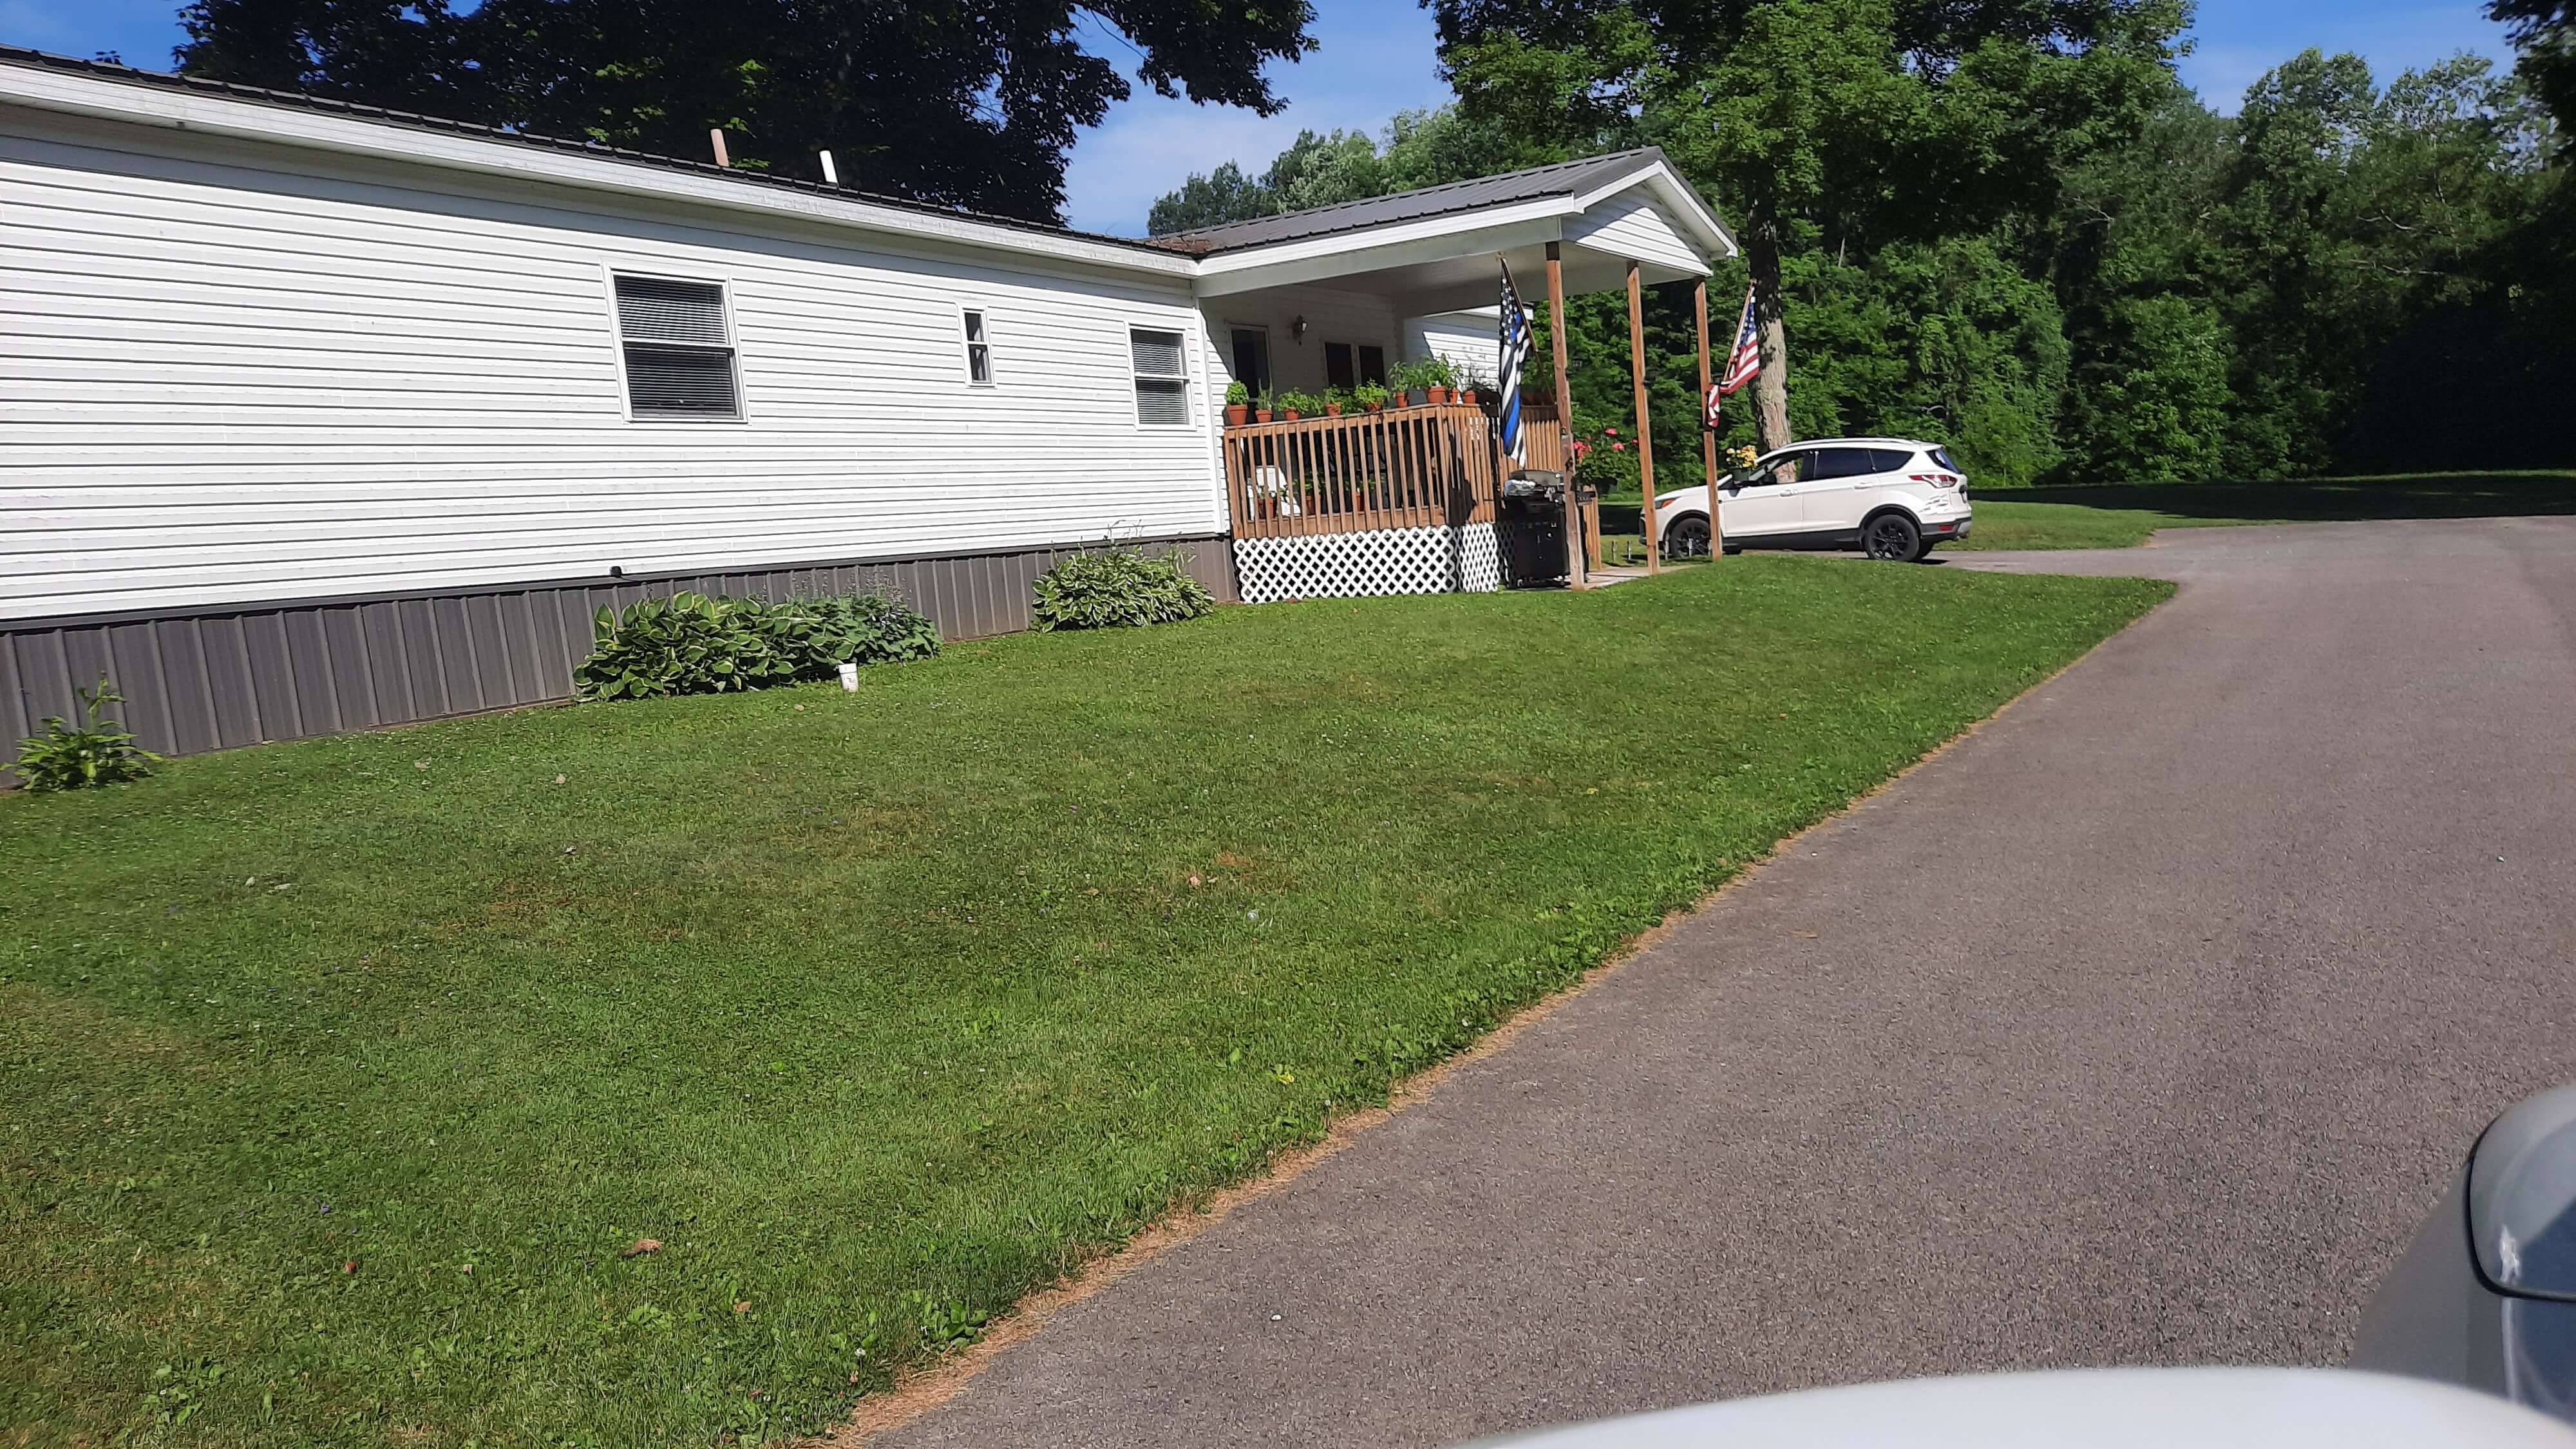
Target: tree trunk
x,y
1771,390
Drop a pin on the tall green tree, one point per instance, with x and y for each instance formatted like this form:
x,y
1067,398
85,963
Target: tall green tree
x,y
972,105
1835,124
1421,148
2544,32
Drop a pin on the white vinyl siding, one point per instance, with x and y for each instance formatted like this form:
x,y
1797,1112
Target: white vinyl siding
x,y
1635,229
1470,340
1162,377
226,377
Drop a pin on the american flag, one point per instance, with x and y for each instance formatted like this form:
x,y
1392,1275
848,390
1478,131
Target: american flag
x,y
1514,339
1745,363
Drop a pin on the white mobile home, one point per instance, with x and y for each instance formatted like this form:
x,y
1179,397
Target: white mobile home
x,y
314,417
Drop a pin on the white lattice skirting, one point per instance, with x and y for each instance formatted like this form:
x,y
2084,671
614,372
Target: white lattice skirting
x,y
1378,561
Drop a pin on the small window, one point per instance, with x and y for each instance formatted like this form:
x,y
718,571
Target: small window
x,y
1889,460
679,353
1162,382
1373,364
1942,457
979,349
1339,369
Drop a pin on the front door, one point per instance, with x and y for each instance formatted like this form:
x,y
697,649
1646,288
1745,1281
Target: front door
x,y
1251,348
1768,504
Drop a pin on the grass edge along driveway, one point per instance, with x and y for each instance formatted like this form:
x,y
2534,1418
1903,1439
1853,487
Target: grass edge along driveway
x,y
665,1072
2123,515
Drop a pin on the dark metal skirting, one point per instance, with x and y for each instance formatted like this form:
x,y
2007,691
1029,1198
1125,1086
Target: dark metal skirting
x,y
245,674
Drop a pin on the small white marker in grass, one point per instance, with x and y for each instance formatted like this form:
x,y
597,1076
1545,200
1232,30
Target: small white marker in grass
x,y
850,676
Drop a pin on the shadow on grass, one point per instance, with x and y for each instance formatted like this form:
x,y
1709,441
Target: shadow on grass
x,y
2313,500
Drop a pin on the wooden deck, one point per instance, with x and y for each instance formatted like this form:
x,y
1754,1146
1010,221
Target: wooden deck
x,y
1417,467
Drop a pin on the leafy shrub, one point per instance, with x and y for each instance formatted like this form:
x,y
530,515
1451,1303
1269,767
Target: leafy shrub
x,y
860,629
1116,588
1305,403
1608,462
99,752
693,644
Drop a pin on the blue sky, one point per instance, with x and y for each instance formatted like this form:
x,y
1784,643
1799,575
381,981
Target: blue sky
x,y
1376,59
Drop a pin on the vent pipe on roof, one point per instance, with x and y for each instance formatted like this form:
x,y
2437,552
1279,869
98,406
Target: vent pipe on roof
x,y
831,177
715,138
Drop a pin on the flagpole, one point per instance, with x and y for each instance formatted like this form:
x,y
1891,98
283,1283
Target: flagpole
x,y
1708,421
1574,547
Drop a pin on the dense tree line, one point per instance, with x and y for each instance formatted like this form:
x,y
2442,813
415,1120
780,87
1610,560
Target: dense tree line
x,y
972,104
2007,225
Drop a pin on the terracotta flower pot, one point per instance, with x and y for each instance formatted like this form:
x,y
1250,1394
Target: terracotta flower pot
x,y
1332,410
1288,415
1439,395
1261,415
1372,407
1235,413
1467,395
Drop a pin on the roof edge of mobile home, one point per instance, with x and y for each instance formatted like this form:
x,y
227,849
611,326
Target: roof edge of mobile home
x,y
46,81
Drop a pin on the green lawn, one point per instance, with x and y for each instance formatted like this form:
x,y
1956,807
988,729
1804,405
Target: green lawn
x,y
2121,515
340,1074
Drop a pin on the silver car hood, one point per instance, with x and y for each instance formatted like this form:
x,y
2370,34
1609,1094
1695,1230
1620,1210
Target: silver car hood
x,y
2194,1408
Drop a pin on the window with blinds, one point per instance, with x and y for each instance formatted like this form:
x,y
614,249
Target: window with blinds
x,y
1162,382
679,355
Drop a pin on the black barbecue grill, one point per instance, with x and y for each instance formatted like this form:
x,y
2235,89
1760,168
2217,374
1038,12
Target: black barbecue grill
x,y
1531,528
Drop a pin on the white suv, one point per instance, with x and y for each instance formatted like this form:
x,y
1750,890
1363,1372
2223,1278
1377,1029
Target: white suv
x,y
1892,498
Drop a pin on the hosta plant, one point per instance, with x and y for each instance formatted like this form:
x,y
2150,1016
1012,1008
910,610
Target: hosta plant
x,y
694,644
1116,588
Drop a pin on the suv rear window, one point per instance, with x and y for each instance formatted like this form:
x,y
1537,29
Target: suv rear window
x,y
1889,460
1942,457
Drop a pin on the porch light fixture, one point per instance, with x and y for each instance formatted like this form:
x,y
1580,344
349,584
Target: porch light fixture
x,y
1297,330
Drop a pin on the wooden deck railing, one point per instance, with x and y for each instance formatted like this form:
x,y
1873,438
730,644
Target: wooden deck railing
x,y
1542,437
1418,467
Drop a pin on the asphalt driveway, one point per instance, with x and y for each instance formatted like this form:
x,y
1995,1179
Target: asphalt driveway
x,y
2139,1027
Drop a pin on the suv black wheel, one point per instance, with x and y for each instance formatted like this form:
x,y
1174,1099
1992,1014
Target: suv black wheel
x,y
1687,538
1892,536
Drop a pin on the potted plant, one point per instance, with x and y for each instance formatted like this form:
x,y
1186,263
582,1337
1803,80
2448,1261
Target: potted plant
x,y
1261,406
1337,400
1438,377
1471,389
1412,383
1371,396
1238,404
1294,405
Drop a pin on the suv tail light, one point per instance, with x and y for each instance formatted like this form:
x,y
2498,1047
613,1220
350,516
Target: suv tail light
x,y
1937,480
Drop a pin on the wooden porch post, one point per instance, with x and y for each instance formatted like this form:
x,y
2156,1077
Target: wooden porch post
x,y
1707,434
1645,436
1574,574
